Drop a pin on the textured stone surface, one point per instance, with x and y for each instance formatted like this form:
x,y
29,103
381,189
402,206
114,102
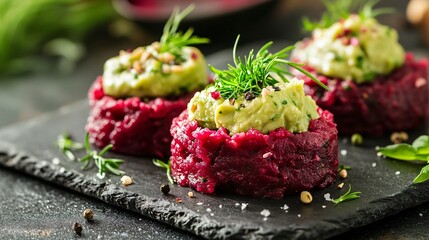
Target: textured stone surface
x,y
28,148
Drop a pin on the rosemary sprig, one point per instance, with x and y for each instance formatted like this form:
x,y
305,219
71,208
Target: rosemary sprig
x,y
67,145
104,165
342,9
167,166
255,72
173,41
347,196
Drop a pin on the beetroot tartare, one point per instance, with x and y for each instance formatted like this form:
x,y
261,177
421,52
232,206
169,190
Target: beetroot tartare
x,y
398,101
375,86
254,134
133,104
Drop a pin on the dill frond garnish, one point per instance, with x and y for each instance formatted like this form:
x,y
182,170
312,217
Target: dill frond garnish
x,y
172,40
255,72
342,9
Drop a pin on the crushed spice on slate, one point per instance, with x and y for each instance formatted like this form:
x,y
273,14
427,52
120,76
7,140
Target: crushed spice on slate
x,y
77,227
165,188
88,214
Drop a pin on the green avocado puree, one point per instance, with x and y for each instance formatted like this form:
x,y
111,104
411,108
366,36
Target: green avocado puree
x,y
354,49
284,106
147,73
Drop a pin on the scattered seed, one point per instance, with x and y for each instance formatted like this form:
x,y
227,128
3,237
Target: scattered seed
x,y
343,152
306,197
398,137
77,228
343,173
165,188
178,200
357,139
176,68
126,180
191,194
88,214
341,185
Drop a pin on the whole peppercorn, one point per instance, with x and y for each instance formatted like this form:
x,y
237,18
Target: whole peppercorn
x,y
399,137
165,188
88,214
306,197
77,227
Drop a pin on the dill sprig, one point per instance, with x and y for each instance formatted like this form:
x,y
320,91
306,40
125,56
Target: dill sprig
x,y
255,72
347,196
173,41
104,165
66,145
167,166
342,9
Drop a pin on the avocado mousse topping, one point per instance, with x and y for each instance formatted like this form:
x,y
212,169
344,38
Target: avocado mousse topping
x,y
351,46
255,93
169,67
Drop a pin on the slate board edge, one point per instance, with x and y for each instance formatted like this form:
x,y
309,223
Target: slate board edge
x,y
182,218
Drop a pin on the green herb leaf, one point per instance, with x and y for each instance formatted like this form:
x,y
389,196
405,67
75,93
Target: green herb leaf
x,y
342,9
423,175
341,167
104,165
421,144
347,196
401,151
255,72
173,41
167,166
67,145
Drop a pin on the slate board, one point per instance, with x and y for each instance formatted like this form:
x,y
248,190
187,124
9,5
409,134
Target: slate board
x,y
28,147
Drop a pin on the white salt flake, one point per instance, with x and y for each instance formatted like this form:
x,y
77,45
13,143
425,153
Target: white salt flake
x,y
285,207
265,219
220,206
343,152
327,197
299,215
421,214
56,161
265,212
374,164
323,206
237,204
267,155
212,214
199,203
244,206
208,210
397,172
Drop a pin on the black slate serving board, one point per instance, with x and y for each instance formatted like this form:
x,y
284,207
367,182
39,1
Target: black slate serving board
x,y
385,185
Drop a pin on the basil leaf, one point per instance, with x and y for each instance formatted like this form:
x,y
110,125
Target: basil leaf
x,y
399,151
421,144
423,175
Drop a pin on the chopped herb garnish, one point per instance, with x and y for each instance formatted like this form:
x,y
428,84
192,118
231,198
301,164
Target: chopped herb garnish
x,y
256,71
342,9
173,41
347,196
104,165
284,102
417,151
67,145
167,166
341,167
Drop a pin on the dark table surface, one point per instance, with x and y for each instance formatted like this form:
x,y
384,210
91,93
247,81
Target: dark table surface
x,y
31,208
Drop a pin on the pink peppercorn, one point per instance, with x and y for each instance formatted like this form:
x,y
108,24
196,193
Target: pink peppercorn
x,y
215,95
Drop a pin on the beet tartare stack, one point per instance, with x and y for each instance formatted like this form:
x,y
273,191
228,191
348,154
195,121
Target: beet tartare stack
x,y
254,133
375,87
141,91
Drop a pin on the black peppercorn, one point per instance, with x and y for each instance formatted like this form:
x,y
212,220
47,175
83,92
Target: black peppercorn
x,y
249,96
77,227
165,188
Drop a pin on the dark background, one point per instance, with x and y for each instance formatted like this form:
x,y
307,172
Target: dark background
x,y
30,208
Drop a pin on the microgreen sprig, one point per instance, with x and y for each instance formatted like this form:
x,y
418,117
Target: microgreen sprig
x,y
342,9
104,165
417,151
255,72
67,145
347,196
173,41
341,167
167,166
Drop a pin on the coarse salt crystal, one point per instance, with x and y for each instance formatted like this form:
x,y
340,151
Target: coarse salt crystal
x,y
212,214
265,219
267,155
397,172
199,203
343,152
374,164
244,206
323,206
285,207
421,214
237,204
55,161
265,212
327,197
220,206
208,210
299,215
